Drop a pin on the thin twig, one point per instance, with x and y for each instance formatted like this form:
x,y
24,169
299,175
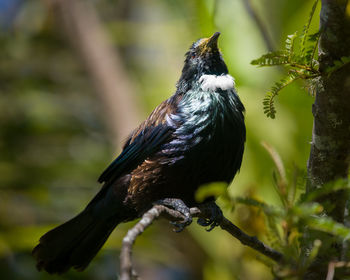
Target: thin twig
x,y
260,24
251,241
330,273
333,265
126,271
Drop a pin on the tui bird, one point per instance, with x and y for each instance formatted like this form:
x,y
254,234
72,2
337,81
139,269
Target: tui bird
x,y
195,137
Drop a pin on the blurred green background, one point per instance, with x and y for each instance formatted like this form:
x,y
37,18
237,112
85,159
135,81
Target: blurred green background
x,y
55,140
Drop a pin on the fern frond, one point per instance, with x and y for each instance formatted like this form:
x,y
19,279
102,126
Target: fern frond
x,y
309,51
307,27
268,102
290,45
300,59
271,59
269,105
314,38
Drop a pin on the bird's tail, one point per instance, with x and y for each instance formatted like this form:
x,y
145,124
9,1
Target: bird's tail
x,y
74,243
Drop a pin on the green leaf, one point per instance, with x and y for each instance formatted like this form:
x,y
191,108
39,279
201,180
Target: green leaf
x,y
305,210
290,45
328,225
271,59
326,189
307,27
300,64
268,102
308,52
312,38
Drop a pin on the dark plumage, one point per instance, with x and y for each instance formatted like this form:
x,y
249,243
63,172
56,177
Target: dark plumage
x,y
195,137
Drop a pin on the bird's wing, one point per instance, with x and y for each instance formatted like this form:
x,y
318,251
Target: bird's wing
x,y
144,141
144,144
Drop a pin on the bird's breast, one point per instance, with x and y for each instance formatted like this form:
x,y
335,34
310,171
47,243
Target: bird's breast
x,y
210,136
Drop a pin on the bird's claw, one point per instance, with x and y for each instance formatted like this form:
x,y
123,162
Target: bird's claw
x,y
180,226
180,206
207,222
216,216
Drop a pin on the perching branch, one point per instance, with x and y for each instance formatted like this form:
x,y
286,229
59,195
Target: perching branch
x,y
126,271
251,241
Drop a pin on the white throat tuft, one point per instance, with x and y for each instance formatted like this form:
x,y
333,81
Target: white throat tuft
x,y
214,82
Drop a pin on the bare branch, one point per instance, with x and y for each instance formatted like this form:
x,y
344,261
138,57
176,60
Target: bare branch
x,y
128,241
333,265
251,241
126,271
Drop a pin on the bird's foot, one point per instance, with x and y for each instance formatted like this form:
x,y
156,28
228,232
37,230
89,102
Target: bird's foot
x,y
180,206
214,212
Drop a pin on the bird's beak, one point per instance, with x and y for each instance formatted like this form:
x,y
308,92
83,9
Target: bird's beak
x,y
212,42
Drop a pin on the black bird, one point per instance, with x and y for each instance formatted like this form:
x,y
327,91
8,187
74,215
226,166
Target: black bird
x,y
195,137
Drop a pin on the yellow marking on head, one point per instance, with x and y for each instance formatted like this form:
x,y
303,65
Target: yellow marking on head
x,y
204,46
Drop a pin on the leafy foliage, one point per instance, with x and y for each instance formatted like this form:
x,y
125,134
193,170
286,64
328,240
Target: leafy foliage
x,y
286,222
299,57
271,59
307,27
299,60
268,102
300,64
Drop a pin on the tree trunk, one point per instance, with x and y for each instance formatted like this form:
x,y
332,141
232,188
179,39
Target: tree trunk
x,y
329,155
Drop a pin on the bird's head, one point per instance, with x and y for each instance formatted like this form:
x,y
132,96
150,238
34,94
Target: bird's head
x,y
203,57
